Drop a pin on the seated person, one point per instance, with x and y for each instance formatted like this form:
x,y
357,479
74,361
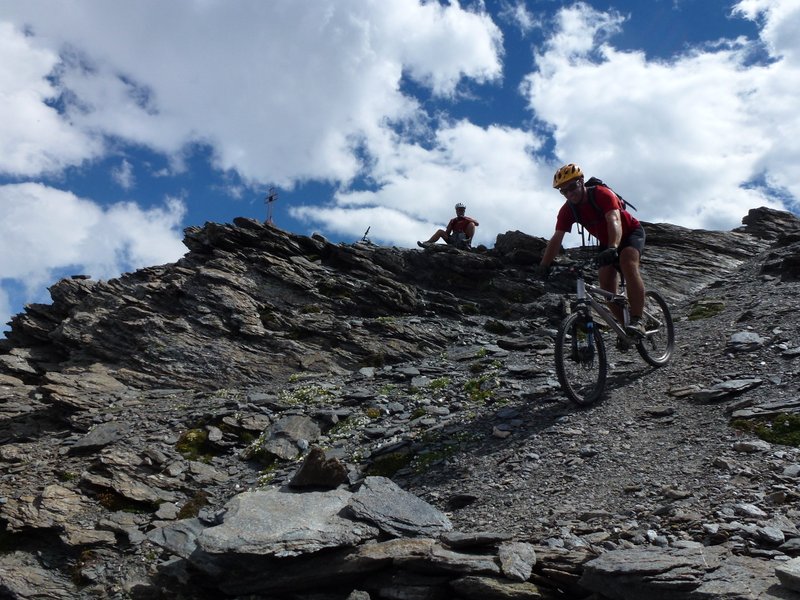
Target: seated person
x,y
459,230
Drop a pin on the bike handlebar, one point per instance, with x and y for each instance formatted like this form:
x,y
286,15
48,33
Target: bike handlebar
x,y
579,266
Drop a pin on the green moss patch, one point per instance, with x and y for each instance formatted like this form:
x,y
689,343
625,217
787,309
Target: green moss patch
x,y
469,309
704,309
439,383
782,429
477,390
193,445
193,505
387,465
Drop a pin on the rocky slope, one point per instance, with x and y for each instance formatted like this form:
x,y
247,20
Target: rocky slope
x,y
160,433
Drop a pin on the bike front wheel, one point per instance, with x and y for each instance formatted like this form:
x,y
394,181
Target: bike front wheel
x,y
581,363
657,345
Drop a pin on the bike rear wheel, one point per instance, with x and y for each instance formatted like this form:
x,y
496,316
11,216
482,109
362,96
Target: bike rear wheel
x,y
581,363
659,342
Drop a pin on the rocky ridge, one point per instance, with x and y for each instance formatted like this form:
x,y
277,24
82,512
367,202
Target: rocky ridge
x,y
397,410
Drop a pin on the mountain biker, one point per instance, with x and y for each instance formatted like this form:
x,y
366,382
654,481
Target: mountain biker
x,y
620,235
459,232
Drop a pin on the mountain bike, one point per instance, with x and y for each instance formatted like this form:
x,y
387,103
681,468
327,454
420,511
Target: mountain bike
x,y
581,360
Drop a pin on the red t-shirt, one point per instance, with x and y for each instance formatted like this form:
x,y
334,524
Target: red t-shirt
x,y
591,218
459,224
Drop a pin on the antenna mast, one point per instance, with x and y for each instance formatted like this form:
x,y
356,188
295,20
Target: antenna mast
x,y
271,197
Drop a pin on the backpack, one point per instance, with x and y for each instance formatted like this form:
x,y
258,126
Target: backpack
x,y
590,186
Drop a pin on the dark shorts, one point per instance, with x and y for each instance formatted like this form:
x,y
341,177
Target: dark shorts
x,y
636,240
457,239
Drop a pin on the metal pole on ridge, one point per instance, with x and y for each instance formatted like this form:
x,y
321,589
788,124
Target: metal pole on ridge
x,y
271,197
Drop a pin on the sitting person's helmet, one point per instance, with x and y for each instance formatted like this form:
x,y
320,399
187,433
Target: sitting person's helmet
x,y
565,174
461,205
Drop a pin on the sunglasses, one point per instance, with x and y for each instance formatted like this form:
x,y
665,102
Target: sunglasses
x,y
570,188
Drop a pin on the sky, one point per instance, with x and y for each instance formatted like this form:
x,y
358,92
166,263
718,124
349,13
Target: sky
x,y
125,122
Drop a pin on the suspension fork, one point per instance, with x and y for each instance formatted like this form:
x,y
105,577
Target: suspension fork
x,y
583,307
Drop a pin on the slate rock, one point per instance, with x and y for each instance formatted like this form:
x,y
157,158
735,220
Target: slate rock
x,y
726,389
180,537
789,574
281,523
680,574
397,512
745,341
632,573
28,580
475,587
286,433
517,560
319,472
102,435
459,540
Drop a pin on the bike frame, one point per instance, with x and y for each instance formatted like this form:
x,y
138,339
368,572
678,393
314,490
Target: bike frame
x,y
586,300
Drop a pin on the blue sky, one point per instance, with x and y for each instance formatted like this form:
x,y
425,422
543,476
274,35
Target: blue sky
x,y
125,122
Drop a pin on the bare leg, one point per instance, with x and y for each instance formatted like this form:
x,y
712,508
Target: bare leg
x,y
470,231
440,234
629,263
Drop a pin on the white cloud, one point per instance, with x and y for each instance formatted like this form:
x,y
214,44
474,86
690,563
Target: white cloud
x,y
490,169
282,90
678,137
33,138
781,21
439,45
773,92
123,175
44,230
5,308
518,14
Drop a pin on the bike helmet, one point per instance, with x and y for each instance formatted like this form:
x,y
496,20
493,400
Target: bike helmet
x,y
565,174
461,205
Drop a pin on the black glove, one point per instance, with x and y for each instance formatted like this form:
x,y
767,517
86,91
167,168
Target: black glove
x,y
607,257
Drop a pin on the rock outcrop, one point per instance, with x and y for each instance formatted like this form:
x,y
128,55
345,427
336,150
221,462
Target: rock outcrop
x,y
278,416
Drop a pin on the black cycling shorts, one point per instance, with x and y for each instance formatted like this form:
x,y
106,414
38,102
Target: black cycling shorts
x,y
636,240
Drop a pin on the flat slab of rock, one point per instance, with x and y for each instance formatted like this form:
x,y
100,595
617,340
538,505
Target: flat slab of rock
x,y
395,511
102,435
681,574
180,537
768,409
21,577
459,540
789,574
745,341
726,389
475,587
279,523
53,508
